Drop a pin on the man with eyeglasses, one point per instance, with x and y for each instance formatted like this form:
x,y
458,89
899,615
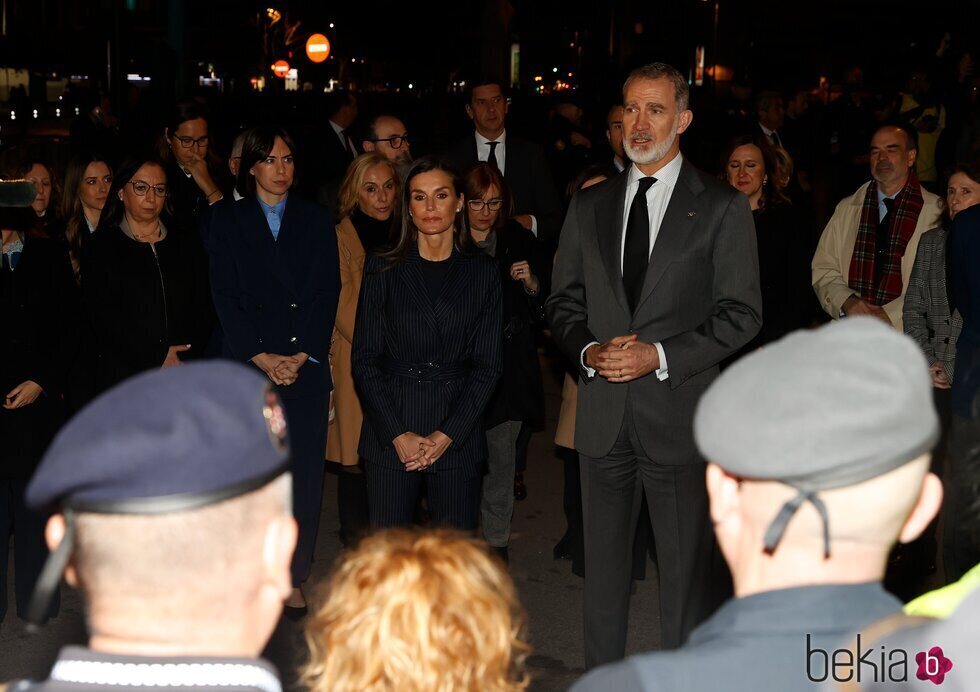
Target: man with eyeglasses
x,y
387,135
537,206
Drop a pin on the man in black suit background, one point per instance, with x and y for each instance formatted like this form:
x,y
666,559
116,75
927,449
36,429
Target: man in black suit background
x,y
333,149
656,281
537,206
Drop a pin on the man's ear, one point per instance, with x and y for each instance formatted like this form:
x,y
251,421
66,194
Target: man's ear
x,y
277,554
723,493
54,534
469,111
685,120
367,145
912,157
925,510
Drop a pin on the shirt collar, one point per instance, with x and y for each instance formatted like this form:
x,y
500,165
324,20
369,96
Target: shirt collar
x,y
766,131
882,196
87,667
336,128
667,175
483,141
279,207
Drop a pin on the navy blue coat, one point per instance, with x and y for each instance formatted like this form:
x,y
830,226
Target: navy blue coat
x,y
396,321
277,296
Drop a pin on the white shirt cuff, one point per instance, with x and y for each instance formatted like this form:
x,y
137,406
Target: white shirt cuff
x,y
581,359
534,230
662,370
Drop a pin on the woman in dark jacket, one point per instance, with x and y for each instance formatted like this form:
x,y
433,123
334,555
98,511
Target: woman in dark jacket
x,y
276,281
196,176
519,395
144,280
750,166
38,303
426,357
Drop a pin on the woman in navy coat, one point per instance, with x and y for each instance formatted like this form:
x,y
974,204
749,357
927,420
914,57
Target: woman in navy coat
x,y
275,278
426,357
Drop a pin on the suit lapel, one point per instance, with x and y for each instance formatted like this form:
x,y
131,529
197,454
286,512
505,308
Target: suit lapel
x,y
451,287
680,217
410,274
275,249
609,228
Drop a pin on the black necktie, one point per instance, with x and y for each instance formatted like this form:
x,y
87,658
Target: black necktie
x,y
348,145
492,159
883,239
636,249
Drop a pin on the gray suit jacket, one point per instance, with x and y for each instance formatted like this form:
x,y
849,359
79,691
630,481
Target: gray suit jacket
x,y
700,300
759,643
925,313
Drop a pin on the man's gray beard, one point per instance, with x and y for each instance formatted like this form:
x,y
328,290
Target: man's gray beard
x,y
654,154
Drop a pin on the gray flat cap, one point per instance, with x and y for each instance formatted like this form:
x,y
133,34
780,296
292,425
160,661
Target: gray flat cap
x,y
820,409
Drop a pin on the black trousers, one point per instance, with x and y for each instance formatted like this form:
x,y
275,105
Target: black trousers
x,y
693,579
452,493
30,550
307,418
961,540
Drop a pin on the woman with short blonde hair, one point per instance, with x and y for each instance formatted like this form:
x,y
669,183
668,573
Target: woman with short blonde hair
x,y
368,204
418,611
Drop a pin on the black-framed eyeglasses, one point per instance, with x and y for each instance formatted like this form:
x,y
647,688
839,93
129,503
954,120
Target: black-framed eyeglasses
x,y
491,204
188,142
394,142
140,188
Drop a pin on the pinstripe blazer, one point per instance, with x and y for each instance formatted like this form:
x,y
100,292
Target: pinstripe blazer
x,y
926,309
396,321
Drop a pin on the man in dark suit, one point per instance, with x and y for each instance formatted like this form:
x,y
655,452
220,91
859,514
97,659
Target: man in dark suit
x,y
537,206
334,149
657,280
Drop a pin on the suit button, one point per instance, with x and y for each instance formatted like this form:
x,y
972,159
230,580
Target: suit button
x,y
292,339
294,306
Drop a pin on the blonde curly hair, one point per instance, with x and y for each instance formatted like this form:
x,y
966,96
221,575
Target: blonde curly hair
x,y
418,611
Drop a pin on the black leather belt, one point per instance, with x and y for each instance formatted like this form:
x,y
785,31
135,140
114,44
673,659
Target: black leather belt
x,y
428,372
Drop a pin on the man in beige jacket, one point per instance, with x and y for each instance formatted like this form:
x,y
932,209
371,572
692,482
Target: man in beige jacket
x,y
884,220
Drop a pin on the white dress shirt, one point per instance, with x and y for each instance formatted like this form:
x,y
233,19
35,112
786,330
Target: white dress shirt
x,y
658,197
500,153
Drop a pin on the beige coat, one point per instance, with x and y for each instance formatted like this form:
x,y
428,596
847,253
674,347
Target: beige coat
x,y
832,261
565,432
345,427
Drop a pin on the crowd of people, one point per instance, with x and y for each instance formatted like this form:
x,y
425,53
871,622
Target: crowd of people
x,y
387,312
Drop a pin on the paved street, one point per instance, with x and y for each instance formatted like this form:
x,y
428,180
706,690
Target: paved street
x,y
549,591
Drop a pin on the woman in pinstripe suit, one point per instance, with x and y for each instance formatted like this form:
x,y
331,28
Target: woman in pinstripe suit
x,y
426,357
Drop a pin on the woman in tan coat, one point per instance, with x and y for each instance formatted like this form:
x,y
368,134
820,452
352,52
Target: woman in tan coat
x,y
367,201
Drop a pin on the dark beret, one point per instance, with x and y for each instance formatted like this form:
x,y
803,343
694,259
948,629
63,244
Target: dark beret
x,y
167,440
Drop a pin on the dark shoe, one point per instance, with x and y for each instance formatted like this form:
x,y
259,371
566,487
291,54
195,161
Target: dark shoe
x,y
501,552
563,549
520,490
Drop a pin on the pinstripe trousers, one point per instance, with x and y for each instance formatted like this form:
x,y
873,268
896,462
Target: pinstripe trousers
x,y
452,492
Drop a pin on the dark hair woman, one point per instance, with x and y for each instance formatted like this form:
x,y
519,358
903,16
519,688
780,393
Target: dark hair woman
x,y
368,202
37,341
519,397
426,357
88,178
750,165
275,278
144,281
195,172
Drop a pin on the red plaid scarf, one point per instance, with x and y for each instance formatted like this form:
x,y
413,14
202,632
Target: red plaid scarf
x,y
905,216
